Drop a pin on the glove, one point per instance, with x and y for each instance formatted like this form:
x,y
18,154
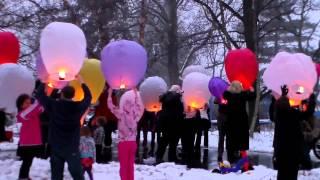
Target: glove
x,y
284,90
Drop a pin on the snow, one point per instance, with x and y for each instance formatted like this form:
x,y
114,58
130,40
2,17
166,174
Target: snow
x,y
166,171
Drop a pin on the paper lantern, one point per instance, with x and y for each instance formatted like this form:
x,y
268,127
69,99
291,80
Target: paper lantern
x,y
14,81
217,87
127,102
93,77
241,65
194,68
9,48
150,90
124,64
63,50
297,71
196,93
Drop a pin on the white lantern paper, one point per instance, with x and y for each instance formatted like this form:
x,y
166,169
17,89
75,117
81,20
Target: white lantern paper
x,y
193,68
150,90
297,71
127,101
196,92
14,81
63,50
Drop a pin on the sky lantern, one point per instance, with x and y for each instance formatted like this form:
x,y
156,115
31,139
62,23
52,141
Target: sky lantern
x,y
93,77
297,71
63,50
241,65
150,90
217,87
14,80
9,48
193,68
196,93
124,64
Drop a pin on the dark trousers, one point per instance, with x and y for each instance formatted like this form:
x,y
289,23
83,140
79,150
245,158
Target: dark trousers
x,y
306,163
25,167
58,158
145,141
2,129
27,153
165,139
88,170
99,154
222,135
288,172
109,127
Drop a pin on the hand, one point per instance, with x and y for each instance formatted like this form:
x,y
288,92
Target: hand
x,y
79,78
110,91
251,89
284,90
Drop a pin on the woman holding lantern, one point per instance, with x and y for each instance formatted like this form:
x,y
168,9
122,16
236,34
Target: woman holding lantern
x,y
237,122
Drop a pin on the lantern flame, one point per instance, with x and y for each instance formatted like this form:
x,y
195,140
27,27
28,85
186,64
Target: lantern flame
x,y
223,101
194,105
50,85
300,90
122,86
62,75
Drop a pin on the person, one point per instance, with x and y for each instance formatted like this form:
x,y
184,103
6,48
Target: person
x,y
128,114
99,139
220,111
288,138
64,129
110,124
308,108
237,122
190,129
203,127
146,123
3,120
30,144
170,118
87,151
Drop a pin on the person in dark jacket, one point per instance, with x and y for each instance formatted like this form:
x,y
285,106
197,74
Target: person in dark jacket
x,y
190,129
288,138
64,129
308,107
170,118
237,122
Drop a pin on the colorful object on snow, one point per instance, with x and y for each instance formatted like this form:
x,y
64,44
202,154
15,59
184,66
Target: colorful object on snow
x,y
14,80
241,65
124,64
297,71
193,68
93,77
63,50
150,90
9,48
217,87
196,93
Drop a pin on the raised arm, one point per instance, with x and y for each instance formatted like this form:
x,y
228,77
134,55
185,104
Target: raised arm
x,y
43,99
86,101
138,107
114,109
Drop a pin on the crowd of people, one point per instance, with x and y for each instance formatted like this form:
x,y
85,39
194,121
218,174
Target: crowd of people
x,y
51,127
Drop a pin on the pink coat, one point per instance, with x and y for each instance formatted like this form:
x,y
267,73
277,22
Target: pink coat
x,y
128,120
30,133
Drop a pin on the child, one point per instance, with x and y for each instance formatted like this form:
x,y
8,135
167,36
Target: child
x,y
30,144
98,136
87,151
129,113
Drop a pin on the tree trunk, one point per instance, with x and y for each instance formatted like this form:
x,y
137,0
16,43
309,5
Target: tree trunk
x,y
142,22
172,47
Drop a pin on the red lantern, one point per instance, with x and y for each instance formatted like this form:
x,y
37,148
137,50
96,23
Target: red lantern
x,y
241,65
9,48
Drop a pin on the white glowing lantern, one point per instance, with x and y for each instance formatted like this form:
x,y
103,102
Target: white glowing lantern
x,y
128,100
14,81
193,68
150,90
196,92
63,50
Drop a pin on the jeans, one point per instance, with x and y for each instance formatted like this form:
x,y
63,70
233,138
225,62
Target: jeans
x,y
58,158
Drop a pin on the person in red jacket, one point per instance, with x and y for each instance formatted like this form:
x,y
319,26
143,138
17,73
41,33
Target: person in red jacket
x,y
30,144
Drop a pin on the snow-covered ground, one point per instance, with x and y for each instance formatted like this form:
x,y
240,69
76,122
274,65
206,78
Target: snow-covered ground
x,y
166,171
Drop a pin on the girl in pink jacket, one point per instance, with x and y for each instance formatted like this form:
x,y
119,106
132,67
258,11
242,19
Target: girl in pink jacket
x,y
129,113
30,144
